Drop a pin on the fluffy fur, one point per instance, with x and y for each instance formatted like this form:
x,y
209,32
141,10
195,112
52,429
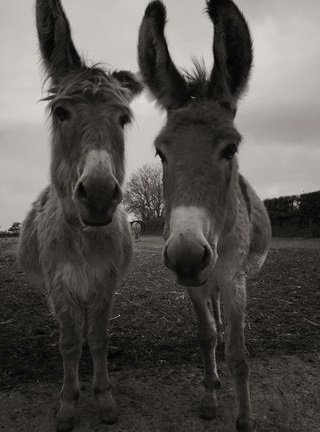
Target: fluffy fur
x,y
217,230
79,267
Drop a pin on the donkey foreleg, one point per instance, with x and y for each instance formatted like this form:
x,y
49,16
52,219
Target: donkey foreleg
x,y
207,334
215,301
97,334
234,301
71,340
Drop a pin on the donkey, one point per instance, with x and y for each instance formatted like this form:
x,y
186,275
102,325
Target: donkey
x,y
217,230
76,241
136,230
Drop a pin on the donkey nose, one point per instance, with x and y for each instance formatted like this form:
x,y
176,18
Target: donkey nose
x,y
188,259
98,195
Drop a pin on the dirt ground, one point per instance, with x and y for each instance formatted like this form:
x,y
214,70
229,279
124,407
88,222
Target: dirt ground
x,y
154,360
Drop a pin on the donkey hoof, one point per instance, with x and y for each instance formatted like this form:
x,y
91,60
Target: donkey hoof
x,y
109,416
208,408
246,425
208,412
65,425
66,417
108,409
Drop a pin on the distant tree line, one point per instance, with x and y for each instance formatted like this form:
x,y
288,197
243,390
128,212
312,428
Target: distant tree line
x,y
295,215
13,231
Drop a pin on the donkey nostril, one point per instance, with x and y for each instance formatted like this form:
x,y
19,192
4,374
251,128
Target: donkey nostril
x,y
117,194
82,193
206,258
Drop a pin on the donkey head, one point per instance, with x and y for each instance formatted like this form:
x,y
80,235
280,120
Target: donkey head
x,y
89,109
198,144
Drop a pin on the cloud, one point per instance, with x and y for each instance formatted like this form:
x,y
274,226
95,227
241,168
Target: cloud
x,y
276,169
287,124
279,117
281,105
24,166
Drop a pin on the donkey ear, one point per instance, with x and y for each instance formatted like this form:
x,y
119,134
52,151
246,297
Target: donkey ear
x,y
232,51
158,70
129,81
58,51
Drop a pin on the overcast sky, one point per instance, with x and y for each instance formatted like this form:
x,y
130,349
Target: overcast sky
x,y
279,118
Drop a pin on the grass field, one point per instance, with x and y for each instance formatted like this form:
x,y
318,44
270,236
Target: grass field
x,y
155,363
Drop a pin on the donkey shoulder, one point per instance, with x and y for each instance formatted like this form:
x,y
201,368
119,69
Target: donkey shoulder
x,y
28,245
260,226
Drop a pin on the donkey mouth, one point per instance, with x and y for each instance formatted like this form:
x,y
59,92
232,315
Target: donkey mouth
x,y
88,223
187,277
95,219
191,281
191,278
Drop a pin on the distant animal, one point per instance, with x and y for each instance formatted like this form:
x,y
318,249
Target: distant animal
x,y
217,230
76,241
136,230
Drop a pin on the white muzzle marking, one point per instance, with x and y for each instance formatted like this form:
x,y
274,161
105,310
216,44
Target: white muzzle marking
x,y
189,220
96,161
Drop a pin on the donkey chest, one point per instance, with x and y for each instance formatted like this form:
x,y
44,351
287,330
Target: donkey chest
x,y
85,279
82,269
97,258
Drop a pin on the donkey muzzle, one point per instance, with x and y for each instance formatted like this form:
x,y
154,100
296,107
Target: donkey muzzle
x,y
97,192
187,251
189,258
97,200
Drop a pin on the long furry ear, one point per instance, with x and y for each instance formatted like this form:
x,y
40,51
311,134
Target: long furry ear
x,y
57,49
157,68
232,50
129,81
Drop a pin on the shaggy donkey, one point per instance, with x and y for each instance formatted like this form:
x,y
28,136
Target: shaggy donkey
x,y
217,230
136,230
76,241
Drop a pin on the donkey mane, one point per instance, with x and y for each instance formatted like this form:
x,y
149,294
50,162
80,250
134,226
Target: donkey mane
x,y
197,80
95,81
197,87
196,84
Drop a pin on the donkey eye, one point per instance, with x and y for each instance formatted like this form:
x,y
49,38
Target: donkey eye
x,y
161,156
229,151
123,120
62,113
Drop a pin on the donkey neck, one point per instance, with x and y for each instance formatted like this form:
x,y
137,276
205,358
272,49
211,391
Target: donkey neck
x,y
235,203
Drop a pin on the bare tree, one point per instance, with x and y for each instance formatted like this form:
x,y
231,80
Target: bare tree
x,y
143,195
15,228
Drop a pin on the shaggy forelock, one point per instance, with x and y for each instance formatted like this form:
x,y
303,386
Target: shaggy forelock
x,y
90,82
197,80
